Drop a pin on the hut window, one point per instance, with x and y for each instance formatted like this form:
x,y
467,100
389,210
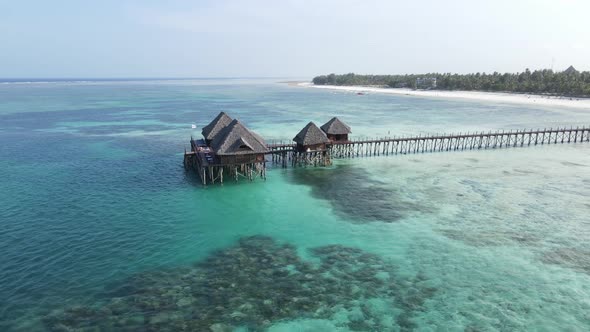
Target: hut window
x,y
245,147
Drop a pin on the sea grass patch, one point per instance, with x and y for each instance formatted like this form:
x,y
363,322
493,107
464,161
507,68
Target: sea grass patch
x,y
357,196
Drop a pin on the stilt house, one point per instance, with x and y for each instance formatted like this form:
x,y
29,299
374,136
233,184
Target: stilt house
x,y
228,148
236,144
336,130
311,138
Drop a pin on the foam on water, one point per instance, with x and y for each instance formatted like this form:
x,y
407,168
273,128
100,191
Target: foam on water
x,y
98,217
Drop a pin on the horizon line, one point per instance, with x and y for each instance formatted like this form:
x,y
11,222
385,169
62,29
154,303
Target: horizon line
x,y
81,78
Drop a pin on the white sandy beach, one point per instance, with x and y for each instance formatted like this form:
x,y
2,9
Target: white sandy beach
x,y
529,99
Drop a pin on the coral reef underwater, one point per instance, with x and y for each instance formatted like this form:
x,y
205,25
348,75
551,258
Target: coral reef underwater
x,y
251,286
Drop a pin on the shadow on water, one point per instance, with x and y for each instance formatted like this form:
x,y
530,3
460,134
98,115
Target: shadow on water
x,y
574,258
253,284
489,238
355,195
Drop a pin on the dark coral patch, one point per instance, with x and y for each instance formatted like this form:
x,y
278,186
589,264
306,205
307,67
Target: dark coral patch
x,y
253,284
357,196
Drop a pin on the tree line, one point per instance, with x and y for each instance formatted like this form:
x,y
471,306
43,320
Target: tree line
x,y
567,83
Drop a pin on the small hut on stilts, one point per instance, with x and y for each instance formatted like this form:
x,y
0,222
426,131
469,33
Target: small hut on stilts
x,y
311,147
337,132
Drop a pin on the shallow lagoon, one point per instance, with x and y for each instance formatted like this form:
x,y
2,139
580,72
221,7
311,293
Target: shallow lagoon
x,y
100,223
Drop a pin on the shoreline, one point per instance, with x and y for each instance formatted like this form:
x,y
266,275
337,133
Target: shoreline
x,y
500,97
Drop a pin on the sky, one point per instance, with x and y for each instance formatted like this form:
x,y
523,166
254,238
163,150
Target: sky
x,y
287,38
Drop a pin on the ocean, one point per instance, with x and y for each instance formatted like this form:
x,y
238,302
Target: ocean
x,y
101,228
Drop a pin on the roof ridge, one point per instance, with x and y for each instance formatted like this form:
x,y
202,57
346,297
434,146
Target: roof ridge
x,y
227,142
221,121
311,134
335,126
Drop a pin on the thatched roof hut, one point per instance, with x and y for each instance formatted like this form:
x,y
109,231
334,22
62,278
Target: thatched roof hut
x,y
336,127
336,130
236,139
311,135
221,121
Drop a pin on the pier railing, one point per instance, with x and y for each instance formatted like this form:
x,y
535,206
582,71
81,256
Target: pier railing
x,y
448,142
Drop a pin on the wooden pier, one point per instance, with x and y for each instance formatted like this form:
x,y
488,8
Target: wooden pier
x,y
444,142
229,149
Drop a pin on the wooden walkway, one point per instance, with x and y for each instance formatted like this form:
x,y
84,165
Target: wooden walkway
x,y
448,142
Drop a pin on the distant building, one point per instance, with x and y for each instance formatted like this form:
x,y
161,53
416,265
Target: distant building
x,y
570,70
336,130
426,83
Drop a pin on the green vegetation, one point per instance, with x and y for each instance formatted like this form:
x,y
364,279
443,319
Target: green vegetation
x,y
566,83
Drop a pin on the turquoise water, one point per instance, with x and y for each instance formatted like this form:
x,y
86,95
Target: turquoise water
x,y
101,226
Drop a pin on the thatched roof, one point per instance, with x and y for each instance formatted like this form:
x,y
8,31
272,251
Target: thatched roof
x,y
237,139
570,70
311,135
221,121
336,127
